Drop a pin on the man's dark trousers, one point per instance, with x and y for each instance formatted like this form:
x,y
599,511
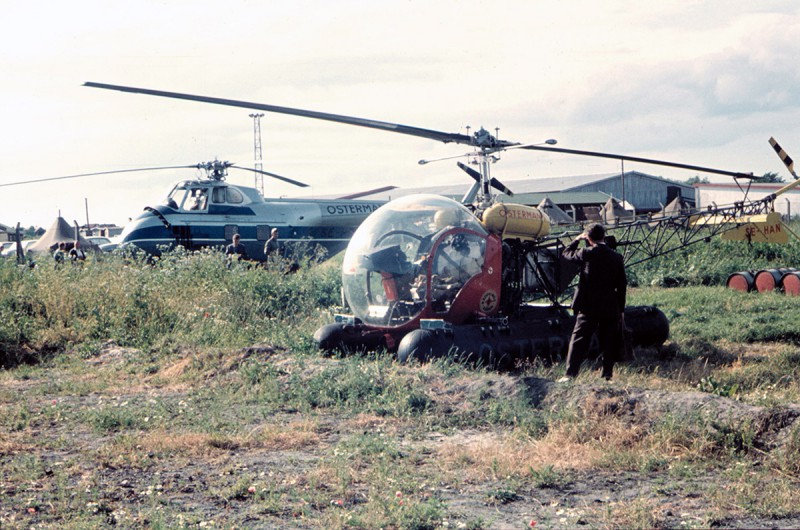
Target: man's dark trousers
x,y
607,327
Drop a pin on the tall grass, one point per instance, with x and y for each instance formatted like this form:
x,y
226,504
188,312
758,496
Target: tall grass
x,y
197,300
193,300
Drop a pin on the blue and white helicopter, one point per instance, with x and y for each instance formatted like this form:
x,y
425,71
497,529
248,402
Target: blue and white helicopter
x,y
205,212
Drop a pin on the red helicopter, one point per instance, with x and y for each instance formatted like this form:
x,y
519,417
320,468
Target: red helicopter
x,y
426,276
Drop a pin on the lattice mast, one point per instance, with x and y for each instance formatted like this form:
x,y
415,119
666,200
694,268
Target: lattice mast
x,y
259,166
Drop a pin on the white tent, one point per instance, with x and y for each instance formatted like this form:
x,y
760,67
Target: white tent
x,y
613,212
59,231
554,214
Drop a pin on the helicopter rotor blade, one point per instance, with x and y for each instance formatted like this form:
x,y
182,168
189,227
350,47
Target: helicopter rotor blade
x,y
372,124
366,192
702,169
496,184
485,141
783,155
469,171
95,174
273,175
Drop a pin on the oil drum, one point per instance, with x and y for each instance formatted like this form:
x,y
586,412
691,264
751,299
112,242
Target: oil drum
x,y
770,279
791,283
741,281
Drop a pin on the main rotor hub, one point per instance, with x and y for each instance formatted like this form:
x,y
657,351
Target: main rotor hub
x,y
484,139
216,169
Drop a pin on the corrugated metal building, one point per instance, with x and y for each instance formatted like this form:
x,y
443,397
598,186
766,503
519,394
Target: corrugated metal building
x,y
788,204
640,191
645,193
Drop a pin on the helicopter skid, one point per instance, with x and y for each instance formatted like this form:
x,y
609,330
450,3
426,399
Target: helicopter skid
x,y
537,333
351,337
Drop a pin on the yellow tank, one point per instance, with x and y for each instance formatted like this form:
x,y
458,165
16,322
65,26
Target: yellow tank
x,y
516,221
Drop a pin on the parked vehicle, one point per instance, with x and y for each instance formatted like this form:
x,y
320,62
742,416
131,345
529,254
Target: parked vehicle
x,y
99,240
11,250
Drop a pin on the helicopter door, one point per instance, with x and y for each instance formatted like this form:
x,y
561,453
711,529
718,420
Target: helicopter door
x,y
183,236
218,195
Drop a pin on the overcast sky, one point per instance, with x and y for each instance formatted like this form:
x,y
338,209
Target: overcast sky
x,y
699,82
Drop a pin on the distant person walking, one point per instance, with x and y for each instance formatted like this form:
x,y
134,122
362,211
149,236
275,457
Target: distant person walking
x,y
59,254
76,254
599,302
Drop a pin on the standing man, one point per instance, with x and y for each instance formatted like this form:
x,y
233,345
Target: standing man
x,y
599,302
273,247
236,250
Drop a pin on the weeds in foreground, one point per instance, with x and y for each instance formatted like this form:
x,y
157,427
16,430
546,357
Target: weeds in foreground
x,y
181,422
188,300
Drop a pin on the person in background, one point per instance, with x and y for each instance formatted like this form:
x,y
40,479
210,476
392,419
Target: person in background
x,y
76,254
273,247
59,254
599,302
236,251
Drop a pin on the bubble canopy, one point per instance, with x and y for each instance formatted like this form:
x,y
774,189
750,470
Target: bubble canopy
x,y
388,263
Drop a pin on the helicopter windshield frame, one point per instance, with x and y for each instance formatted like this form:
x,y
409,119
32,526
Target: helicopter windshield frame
x,y
189,196
394,272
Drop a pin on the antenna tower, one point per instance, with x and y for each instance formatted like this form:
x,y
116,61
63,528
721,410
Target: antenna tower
x,y
257,148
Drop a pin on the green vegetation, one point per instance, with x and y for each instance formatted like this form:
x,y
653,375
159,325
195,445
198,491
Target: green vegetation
x,y
182,300
711,262
186,394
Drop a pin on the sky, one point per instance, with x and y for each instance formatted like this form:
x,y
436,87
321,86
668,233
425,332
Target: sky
x,y
697,82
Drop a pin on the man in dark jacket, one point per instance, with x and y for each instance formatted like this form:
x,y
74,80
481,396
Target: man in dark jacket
x,y
599,302
236,251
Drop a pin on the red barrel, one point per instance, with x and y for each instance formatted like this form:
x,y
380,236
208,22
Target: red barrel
x,y
741,281
770,279
791,283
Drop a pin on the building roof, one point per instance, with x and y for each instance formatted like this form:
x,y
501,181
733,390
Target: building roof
x,y
558,197
755,186
551,184
533,190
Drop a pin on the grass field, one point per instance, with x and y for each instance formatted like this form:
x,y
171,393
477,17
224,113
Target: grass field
x,y
190,395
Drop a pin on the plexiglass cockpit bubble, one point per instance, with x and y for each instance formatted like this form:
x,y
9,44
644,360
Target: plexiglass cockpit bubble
x,y
405,249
